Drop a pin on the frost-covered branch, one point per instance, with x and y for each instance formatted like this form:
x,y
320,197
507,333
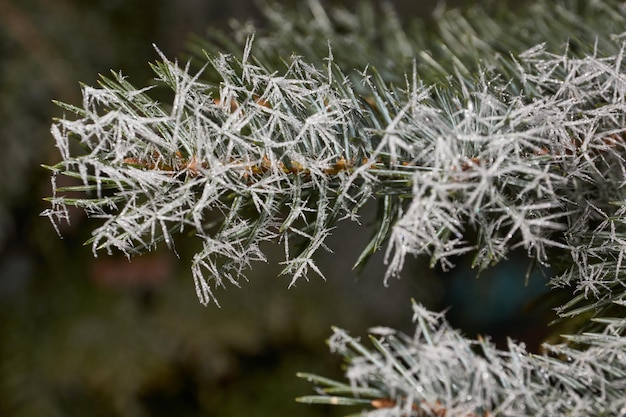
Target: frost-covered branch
x,y
510,135
276,156
438,372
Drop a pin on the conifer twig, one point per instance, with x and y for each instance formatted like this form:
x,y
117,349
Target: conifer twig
x,y
509,135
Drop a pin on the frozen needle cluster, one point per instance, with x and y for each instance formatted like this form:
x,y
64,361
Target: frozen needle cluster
x,y
438,372
525,150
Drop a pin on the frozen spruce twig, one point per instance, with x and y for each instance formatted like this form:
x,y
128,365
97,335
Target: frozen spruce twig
x,y
490,135
439,372
271,156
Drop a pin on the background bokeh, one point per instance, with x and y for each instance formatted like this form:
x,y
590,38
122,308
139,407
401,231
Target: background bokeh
x,y
85,336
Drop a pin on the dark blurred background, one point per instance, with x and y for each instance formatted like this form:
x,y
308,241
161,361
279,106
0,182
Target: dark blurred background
x,y
84,336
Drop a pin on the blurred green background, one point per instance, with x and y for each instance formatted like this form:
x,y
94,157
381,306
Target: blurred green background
x,y
84,336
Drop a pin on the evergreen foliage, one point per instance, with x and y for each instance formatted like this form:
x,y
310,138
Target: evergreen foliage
x,y
478,136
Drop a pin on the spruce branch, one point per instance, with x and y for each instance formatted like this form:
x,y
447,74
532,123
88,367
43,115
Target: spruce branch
x,y
439,372
511,135
269,156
